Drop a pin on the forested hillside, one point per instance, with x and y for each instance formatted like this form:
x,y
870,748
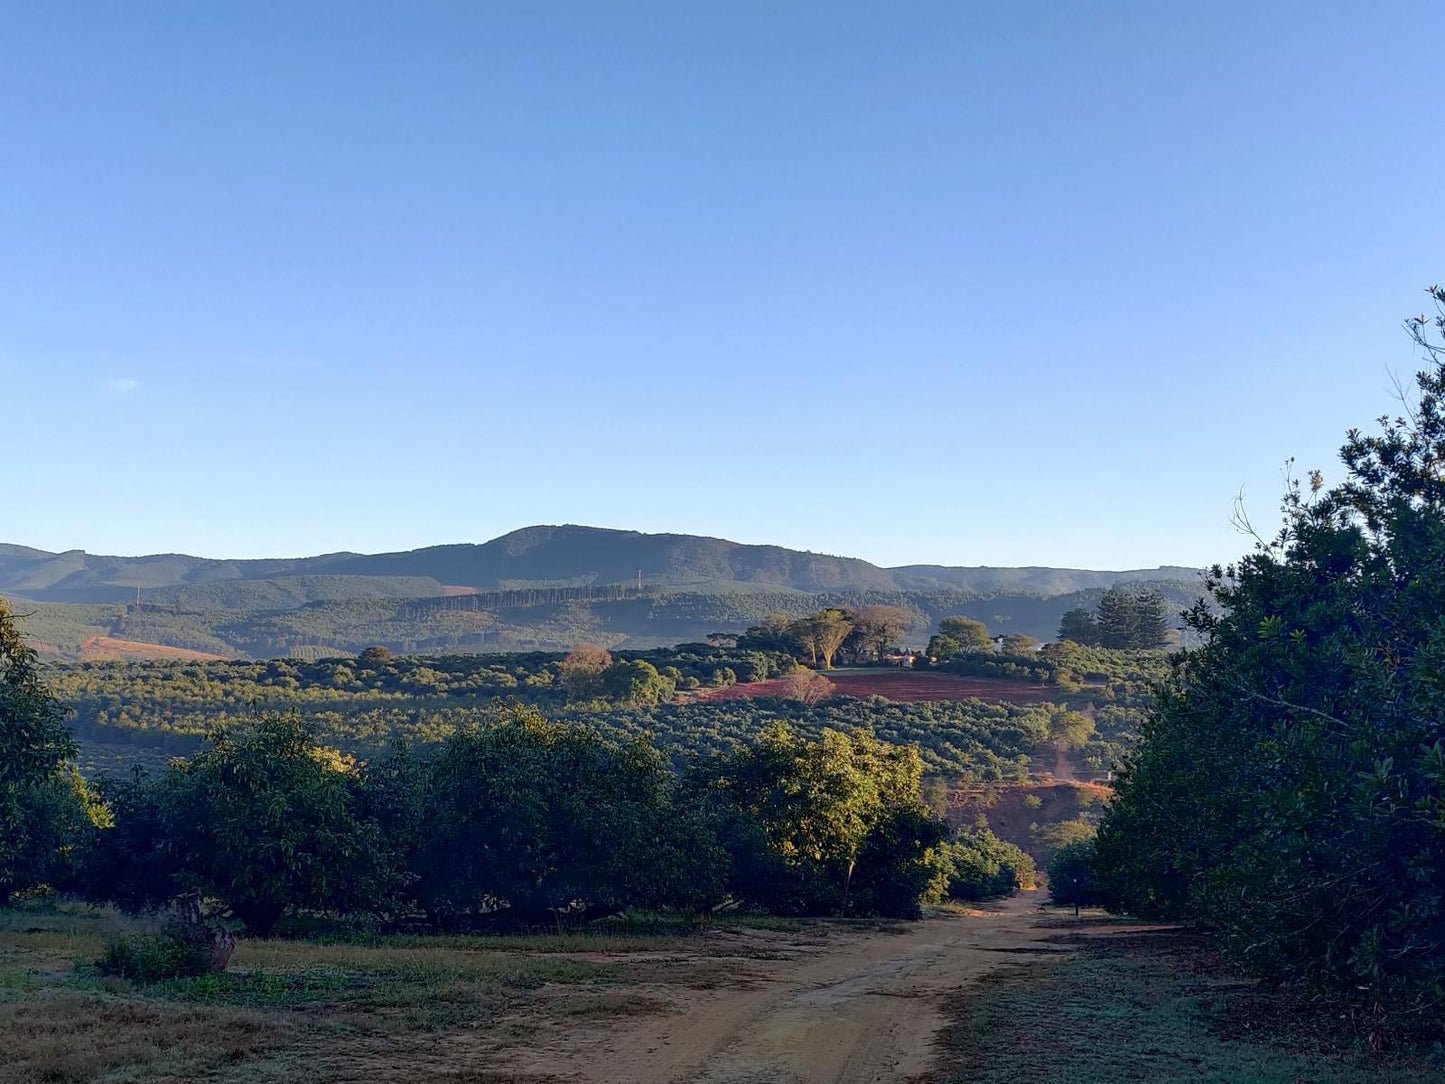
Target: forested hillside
x,y
310,617
536,556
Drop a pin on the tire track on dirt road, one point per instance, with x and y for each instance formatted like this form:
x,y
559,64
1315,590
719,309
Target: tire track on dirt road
x,y
861,1012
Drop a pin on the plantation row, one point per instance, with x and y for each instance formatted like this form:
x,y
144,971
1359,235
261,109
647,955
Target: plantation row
x,y
363,704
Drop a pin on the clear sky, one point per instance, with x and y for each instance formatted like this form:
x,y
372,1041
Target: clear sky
x,y
1009,283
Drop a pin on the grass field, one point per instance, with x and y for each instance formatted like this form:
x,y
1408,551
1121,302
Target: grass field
x,y
1015,993
419,1008
1151,1008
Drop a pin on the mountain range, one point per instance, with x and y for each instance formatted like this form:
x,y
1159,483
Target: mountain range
x,y
539,588
551,556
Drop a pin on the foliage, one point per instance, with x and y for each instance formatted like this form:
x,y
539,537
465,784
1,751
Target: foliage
x,y
44,804
807,687
1290,788
265,820
981,866
959,636
1080,626
875,629
1134,619
155,957
162,709
59,814
1049,839
519,821
808,818
535,818
581,671
1071,875
1071,728
637,682
135,863
822,634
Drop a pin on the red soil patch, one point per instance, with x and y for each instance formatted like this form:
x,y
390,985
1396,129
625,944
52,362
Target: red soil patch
x,y
451,590
107,648
907,686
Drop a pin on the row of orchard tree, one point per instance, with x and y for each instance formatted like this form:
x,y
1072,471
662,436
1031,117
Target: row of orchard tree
x,y
511,823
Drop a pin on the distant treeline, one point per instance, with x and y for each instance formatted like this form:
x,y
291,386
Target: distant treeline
x,y
268,619
516,598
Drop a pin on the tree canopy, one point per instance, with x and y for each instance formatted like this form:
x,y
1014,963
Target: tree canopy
x,y
1290,787
43,801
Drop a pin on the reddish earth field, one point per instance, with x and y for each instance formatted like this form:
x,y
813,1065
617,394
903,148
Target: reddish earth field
x,y
107,648
903,685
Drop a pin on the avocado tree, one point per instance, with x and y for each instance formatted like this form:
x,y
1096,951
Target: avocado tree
x,y
44,804
266,820
528,821
1071,875
1289,790
812,824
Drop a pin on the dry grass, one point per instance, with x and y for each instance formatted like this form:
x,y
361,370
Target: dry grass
x,y
427,1010
70,1038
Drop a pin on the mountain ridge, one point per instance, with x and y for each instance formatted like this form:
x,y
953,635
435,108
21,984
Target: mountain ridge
x,y
543,555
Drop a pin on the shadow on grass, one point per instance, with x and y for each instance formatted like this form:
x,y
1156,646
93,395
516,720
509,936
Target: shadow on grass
x,y
1151,1008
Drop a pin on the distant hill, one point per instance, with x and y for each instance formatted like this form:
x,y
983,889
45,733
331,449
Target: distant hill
x,y
535,556
540,588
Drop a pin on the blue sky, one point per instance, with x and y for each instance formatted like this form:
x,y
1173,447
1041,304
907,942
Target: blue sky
x,y
1024,283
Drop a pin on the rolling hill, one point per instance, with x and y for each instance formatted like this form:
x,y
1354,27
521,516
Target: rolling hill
x,y
540,556
541,587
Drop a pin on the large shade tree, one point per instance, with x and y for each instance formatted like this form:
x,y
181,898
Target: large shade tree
x,y
1290,787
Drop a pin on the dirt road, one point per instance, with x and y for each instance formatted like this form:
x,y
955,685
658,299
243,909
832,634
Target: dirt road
x,y
861,1010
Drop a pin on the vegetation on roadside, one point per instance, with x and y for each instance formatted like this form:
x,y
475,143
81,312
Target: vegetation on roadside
x,y
1289,791
1139,1009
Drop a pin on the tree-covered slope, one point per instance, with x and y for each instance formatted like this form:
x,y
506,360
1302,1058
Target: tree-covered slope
x,y
549,555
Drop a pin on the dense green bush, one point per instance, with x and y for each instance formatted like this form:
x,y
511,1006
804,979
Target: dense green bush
x,y
519,822
832,825
981,866
530,820
45,805
1290,788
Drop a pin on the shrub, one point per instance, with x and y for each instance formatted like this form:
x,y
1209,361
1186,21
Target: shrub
x,y
172,953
